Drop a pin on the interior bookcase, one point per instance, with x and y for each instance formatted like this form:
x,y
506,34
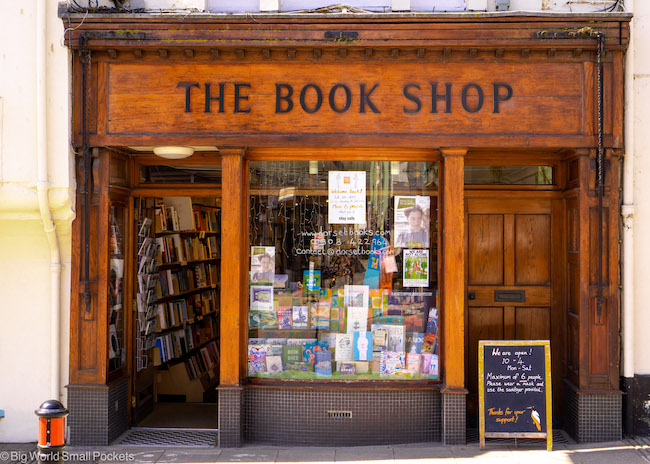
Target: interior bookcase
x,y
177,298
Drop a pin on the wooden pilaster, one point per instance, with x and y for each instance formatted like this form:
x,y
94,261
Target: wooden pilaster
x,y
452,291
234,230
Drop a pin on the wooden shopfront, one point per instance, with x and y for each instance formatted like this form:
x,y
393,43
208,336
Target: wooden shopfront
x,y
502,133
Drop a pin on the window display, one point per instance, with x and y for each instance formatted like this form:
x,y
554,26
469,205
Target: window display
x,y
343,270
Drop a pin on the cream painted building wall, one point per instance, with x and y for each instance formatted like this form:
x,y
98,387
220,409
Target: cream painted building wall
x,y
638,154
26,321
25,291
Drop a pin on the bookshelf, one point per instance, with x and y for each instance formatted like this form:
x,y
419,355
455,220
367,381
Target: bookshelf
x,y
182,294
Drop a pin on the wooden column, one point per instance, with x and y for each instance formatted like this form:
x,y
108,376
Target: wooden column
x,y
452,292
234,259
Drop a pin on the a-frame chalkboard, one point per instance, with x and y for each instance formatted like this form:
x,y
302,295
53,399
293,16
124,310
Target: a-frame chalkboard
x,y
514,384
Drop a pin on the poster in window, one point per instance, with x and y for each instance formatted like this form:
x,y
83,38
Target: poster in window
x,y
416,268
412,221
262,265
347,197
261,298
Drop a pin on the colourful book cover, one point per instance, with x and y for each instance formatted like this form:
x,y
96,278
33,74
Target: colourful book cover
x,y
375,364
337,319
414,342
338,302
256,359
311,282
323,362
300,317
356,295
300,341
348,368
432,321
261,298
392,363
309,351
377,300
285,316
262,319
413,362
429,343
433,367
396,338
426,362
320,315
379,337
362,346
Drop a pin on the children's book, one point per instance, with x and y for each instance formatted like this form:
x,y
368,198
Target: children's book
x,y
309,351
433,367
300,317
426,362
413,362
261,298
392,363
414,342
362,346
323,362
285,316
429,344
343,347
337,319
348,368
356,296
320,315
379,337
311,282
273,364
432,321
375,364
357,319
262,319
256,359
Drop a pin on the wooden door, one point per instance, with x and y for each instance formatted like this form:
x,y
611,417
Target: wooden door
x,y
510,278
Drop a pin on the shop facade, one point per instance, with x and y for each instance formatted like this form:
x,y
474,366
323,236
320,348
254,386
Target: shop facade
x,y
476,160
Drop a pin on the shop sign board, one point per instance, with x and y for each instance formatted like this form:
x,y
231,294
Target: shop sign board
x,y
515,390
355,98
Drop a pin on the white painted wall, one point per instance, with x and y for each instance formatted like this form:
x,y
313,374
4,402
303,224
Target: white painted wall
x,y
24,251
640,120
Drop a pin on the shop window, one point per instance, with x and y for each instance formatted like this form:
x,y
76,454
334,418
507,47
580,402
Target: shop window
x,y
343,270
180,174
509,175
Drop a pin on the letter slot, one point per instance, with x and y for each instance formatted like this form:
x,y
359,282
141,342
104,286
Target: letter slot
x,y
510,296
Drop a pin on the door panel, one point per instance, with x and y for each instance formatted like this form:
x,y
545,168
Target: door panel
x,y
533,324
485,250
508,277
532,249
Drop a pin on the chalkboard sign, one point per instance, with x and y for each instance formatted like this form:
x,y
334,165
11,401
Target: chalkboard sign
x,y
515,390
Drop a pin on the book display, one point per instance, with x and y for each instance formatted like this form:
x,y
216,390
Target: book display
x,y
360,300
178,293
116,345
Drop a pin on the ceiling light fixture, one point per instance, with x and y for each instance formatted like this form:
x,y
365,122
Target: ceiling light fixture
x,y
173,152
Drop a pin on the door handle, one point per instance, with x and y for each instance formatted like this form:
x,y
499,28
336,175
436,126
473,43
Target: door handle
x,y
471,295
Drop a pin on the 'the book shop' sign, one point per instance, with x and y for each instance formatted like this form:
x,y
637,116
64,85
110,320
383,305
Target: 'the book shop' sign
x,y
515,389
497,99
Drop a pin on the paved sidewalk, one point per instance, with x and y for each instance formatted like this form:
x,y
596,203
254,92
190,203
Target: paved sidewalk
x,y
620,452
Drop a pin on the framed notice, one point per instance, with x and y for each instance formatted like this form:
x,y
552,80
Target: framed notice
x,y
346,195
514,385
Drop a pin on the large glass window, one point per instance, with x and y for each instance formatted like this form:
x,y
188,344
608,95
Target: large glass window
x,y
343,270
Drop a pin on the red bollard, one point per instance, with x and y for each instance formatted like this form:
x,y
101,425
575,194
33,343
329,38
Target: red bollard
x,y
51,430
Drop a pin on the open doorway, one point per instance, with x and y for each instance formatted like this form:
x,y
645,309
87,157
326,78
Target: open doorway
x,y
176,289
